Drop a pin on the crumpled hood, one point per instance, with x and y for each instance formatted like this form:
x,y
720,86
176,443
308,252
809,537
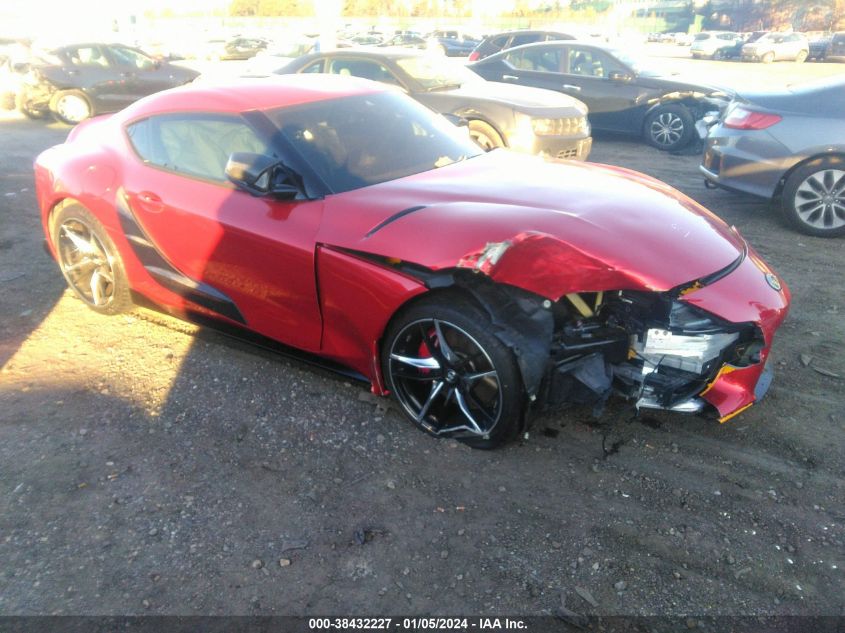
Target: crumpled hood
x,y
548,227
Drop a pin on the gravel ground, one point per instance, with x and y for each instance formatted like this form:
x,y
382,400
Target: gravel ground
x,y
149,467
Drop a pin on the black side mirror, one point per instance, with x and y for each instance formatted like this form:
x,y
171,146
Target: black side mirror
x,y
258,174
616,75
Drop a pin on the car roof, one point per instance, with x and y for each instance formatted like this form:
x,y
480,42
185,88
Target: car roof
x,y
523,47
382,52
251,94
525,32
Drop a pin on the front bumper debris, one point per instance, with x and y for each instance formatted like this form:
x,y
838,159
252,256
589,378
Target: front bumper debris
x,y
700,348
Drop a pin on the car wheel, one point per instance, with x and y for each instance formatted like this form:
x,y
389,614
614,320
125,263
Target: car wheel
x,y
669,127
813,199
768,58
451,375
719,55
484,135
801,57
89,261
71,106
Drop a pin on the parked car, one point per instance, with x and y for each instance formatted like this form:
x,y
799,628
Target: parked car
x,y
492,44
621,94
773,47
683,38
452,43
241,48
714,44
818,47
277,55
406,39
80,80
14,64
735,52
836,49
789,145
498,115
471,286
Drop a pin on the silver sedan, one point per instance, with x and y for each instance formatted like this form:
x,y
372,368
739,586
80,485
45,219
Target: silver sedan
x,y
788,145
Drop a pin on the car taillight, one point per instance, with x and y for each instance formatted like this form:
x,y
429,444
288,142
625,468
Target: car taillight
x,y
474,56
743,119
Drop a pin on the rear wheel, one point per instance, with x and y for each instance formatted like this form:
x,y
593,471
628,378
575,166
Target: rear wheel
x,y
669,127
814,198
89,261
484,135
452,376
801,57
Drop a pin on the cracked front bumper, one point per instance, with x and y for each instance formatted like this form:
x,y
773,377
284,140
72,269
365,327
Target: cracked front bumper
x,y
753,293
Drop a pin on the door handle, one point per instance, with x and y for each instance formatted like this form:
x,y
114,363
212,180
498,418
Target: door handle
x,y
571,87
150,202
510,77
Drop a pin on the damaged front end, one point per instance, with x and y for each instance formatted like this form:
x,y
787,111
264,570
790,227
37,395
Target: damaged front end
x,y
668,350
649,347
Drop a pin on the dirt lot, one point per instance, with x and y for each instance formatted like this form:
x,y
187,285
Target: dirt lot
x,y
149,467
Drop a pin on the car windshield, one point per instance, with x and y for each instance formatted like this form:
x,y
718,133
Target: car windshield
x,y
437,73
634,64
353,142
702,36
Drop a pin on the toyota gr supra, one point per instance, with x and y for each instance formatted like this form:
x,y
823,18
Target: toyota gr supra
x,y
344,219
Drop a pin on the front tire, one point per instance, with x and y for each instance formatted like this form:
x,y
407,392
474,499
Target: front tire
x,y
768,58
669,127
451,375
813,200
801,57
71,106
89,261
484,135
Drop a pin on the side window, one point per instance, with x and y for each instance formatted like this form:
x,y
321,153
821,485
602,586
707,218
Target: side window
x,y
590,62
363,68
87,56
194,144
316,67
519,40
128,57
499,42
726,36
541,60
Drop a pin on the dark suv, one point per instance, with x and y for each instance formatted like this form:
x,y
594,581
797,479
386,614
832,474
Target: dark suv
x,y
492,44
836,48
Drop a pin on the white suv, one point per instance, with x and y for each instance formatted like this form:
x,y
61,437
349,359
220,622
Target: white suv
x,y
714,44
777,46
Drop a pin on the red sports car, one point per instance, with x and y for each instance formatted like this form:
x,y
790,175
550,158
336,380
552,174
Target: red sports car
x,y
344,219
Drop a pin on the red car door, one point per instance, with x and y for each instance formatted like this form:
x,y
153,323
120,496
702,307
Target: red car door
x,y
251,258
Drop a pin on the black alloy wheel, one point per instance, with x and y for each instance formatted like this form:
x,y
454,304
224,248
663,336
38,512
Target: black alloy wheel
x,y
451,375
